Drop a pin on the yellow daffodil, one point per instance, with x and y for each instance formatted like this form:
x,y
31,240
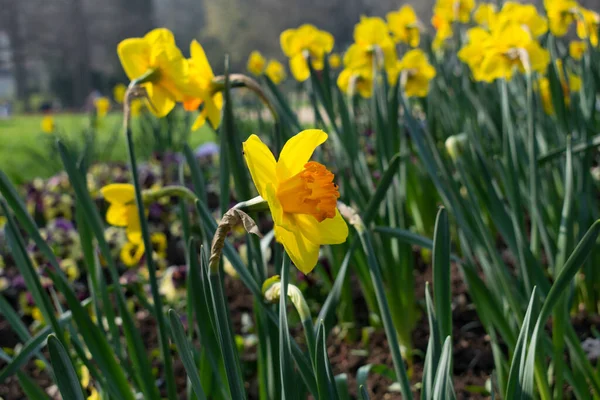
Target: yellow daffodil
x,y
577,49
48,124
102,105
372,41
495,55
131,253
335,60
588,25
359,81
454,10
561,14
200,77
275,71
301,196
119,93
305,41
485,14
404,25
415,73
156,52
135,108
256,63
443,31
525,15
122,210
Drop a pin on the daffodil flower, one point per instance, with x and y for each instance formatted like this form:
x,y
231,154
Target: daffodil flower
x,y
123,210
305,41
577,49
275,71
102,105
335,60
256,63
301,196
561,14
351,81
201,90
485,14
588,25
525,15
373,45
443,31
454,10
119,93
415,73
404,25
157,55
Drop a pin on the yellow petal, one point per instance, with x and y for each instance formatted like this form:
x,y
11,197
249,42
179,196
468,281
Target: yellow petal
x,y
329,231
198,60
213,108
286,39
200,121
303,253
299,67
261,164
134,54
297,152
119,193
160,35
116,215
161,102
134,229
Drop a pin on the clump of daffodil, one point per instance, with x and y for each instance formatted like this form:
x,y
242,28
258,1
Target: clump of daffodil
x,y
454,10
158,62
351,81
203,92
102,105
334,60
494,55
561,14
305,41
485,14
301,196
588,24
256,63
119,93
570,84
577,49
415,73
443,31
47,124
122,210
404,25
525,15
275,71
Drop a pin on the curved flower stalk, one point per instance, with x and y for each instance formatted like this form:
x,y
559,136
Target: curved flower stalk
x,y
303,42
301,196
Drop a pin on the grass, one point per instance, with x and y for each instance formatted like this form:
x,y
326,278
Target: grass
x,y
27,153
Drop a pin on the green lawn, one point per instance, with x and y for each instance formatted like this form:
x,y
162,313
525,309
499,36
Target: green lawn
x,y
26,152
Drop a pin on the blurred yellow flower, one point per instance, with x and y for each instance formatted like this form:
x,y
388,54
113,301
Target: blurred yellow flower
x,y
454,10
372,42
359,81
305,41
122,210
525,15
256,63
301,195
443,31
335,60
485,14
48,124
132,253
201,76
495,55
135,108
404,25
588,25
94,395
577,49
157,52
415,73
561,14
569,85
102,105
119,92
275,71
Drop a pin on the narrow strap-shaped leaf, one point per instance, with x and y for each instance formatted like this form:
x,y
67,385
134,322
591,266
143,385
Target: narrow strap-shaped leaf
x,y
441,274
434,349
64,372
187,355
30,388
362,390
286,367
322,368
443,389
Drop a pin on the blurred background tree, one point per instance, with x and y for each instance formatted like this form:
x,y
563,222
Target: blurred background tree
x,y
65,49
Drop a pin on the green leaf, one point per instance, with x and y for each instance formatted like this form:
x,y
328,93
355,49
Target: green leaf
x,y
363,373
187,355
30,388
286,366
443,388
441,274
322,368
434,349
64,372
